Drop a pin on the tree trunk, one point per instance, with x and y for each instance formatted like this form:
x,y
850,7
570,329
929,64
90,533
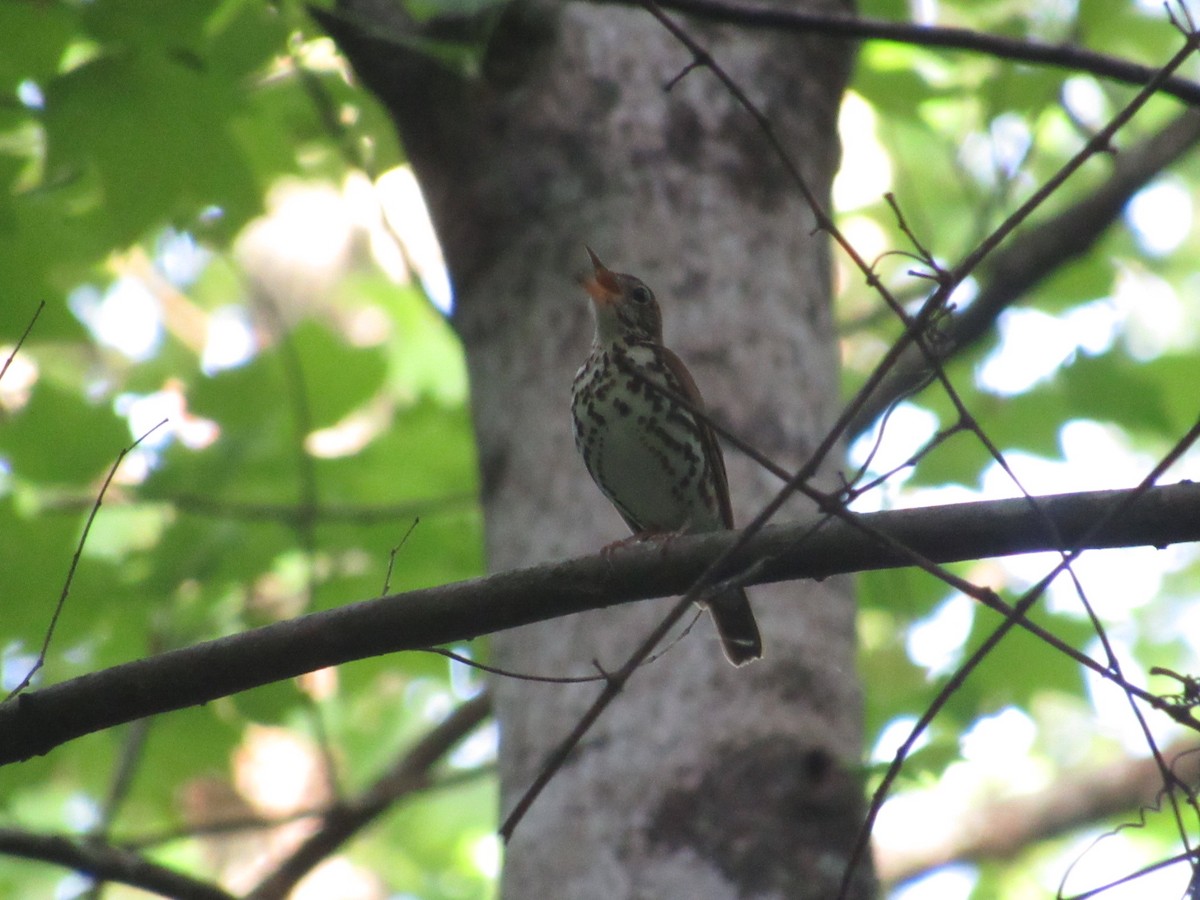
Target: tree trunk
x,y
701,780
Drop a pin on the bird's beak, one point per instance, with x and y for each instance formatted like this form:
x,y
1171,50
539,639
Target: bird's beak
x,y
601,284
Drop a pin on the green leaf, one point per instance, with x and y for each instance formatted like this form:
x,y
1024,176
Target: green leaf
x,y
1075,282
1113,388
49,240
44,29
269,704
433,832
428,454
1021,666
220,557
101,116
1169,389
32,569
311,373
61,438
427,359
338,378
147,24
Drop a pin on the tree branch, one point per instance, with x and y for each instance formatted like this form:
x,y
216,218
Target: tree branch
x,y
409,774
107,863
1003,829
1032,256
1061,56
35,722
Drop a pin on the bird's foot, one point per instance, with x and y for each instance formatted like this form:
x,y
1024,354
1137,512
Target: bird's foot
x,y
658,538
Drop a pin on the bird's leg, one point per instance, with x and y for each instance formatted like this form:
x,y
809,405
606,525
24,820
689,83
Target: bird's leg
x,y
656,536
636,538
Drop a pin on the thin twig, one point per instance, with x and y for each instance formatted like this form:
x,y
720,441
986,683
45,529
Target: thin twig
x,y
21,340
387,578
69,580
508,673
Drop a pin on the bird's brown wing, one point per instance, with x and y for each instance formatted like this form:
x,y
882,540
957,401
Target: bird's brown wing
x,y
712,449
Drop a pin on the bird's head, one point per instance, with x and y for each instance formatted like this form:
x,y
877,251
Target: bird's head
x,y
625,308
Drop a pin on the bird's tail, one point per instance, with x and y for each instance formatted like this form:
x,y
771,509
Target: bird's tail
x,y
736,626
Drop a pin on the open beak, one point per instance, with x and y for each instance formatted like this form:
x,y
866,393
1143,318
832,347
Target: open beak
x,y
601,284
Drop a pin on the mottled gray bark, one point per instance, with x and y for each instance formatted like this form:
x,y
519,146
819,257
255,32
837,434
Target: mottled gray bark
x,y
701,780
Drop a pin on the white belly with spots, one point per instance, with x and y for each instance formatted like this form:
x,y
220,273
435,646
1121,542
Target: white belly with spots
x,y
634,475
648,462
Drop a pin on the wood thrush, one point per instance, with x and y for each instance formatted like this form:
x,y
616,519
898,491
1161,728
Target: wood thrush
x,y
659,464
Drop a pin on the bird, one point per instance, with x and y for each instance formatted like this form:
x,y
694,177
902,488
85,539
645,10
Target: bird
x,y
655,460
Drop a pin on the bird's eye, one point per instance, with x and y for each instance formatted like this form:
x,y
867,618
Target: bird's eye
x,y
640,294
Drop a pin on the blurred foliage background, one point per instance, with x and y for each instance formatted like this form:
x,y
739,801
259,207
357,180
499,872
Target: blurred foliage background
x,y
224,236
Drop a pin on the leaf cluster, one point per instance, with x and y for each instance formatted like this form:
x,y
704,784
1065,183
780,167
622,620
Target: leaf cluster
x,y
137,143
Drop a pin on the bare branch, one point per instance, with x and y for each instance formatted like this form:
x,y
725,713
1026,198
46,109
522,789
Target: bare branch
x,y
1003,829
410,773
1060,56
35,722
107,864
1034,255
1105,517
70,577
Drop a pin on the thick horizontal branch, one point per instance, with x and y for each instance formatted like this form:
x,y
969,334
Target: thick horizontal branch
x,y
1061,56
37,721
